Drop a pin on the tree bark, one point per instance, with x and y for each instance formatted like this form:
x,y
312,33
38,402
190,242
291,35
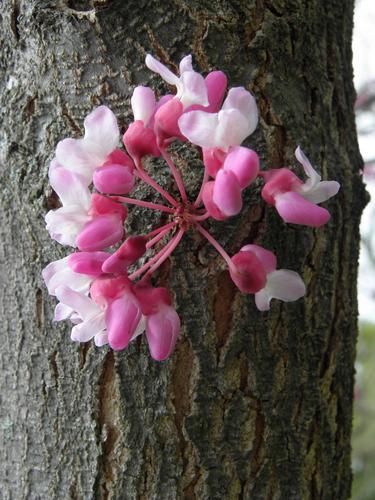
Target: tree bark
x,y
251,405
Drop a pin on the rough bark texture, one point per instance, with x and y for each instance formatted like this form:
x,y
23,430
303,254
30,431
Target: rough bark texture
x,y
251,405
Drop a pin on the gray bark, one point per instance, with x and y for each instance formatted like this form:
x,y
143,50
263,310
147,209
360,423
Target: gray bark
x,y
251,405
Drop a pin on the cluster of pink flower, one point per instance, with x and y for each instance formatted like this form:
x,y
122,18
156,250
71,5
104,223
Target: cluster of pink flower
x,y
93,286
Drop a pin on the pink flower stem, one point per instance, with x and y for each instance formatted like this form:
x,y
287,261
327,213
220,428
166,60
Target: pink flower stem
x,y
146,178
158,237
199,197
202,217
146,204
161,228
176,174
215,244
154,259
171,246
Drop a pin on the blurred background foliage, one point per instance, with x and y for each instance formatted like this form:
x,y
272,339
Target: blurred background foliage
x,y
363,441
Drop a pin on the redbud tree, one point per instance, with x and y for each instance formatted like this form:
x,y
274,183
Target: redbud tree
x,y
204,254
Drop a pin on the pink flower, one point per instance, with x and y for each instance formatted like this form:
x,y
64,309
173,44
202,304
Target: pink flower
x,y
222,197
83,156
191,87
88,317
254,271
105,227
65,223
140,139
295,201
237,119
116,175
162,321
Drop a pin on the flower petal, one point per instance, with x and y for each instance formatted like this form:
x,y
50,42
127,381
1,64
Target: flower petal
x,y
85,331
186,64
322,192
71,187
313,176
240,99
101,132
122,318
162,330
83,305
294,208
157,67
284,285
243,163
266,257
227,193
143,104
199,127
192,89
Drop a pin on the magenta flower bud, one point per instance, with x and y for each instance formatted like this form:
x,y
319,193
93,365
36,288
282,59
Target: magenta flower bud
x,y
227,193
248,272
244,164
101,232
89,263
113,179
140,141
162,330
122,318
129,252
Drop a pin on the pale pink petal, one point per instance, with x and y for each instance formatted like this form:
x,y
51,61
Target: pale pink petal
x,y
73,155
102,132
157,67
199,127
293,208
83,305
143,104
162,330
322,191
311,173
192,89
227,193
62,312
240,99
85,331
186,64
71,187
232,130
101,138
65,223
101,339
284,285
267,258
122,318
67,277
243,163
52,268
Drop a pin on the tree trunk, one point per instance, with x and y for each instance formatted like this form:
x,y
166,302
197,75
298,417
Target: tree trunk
x,y
251,405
